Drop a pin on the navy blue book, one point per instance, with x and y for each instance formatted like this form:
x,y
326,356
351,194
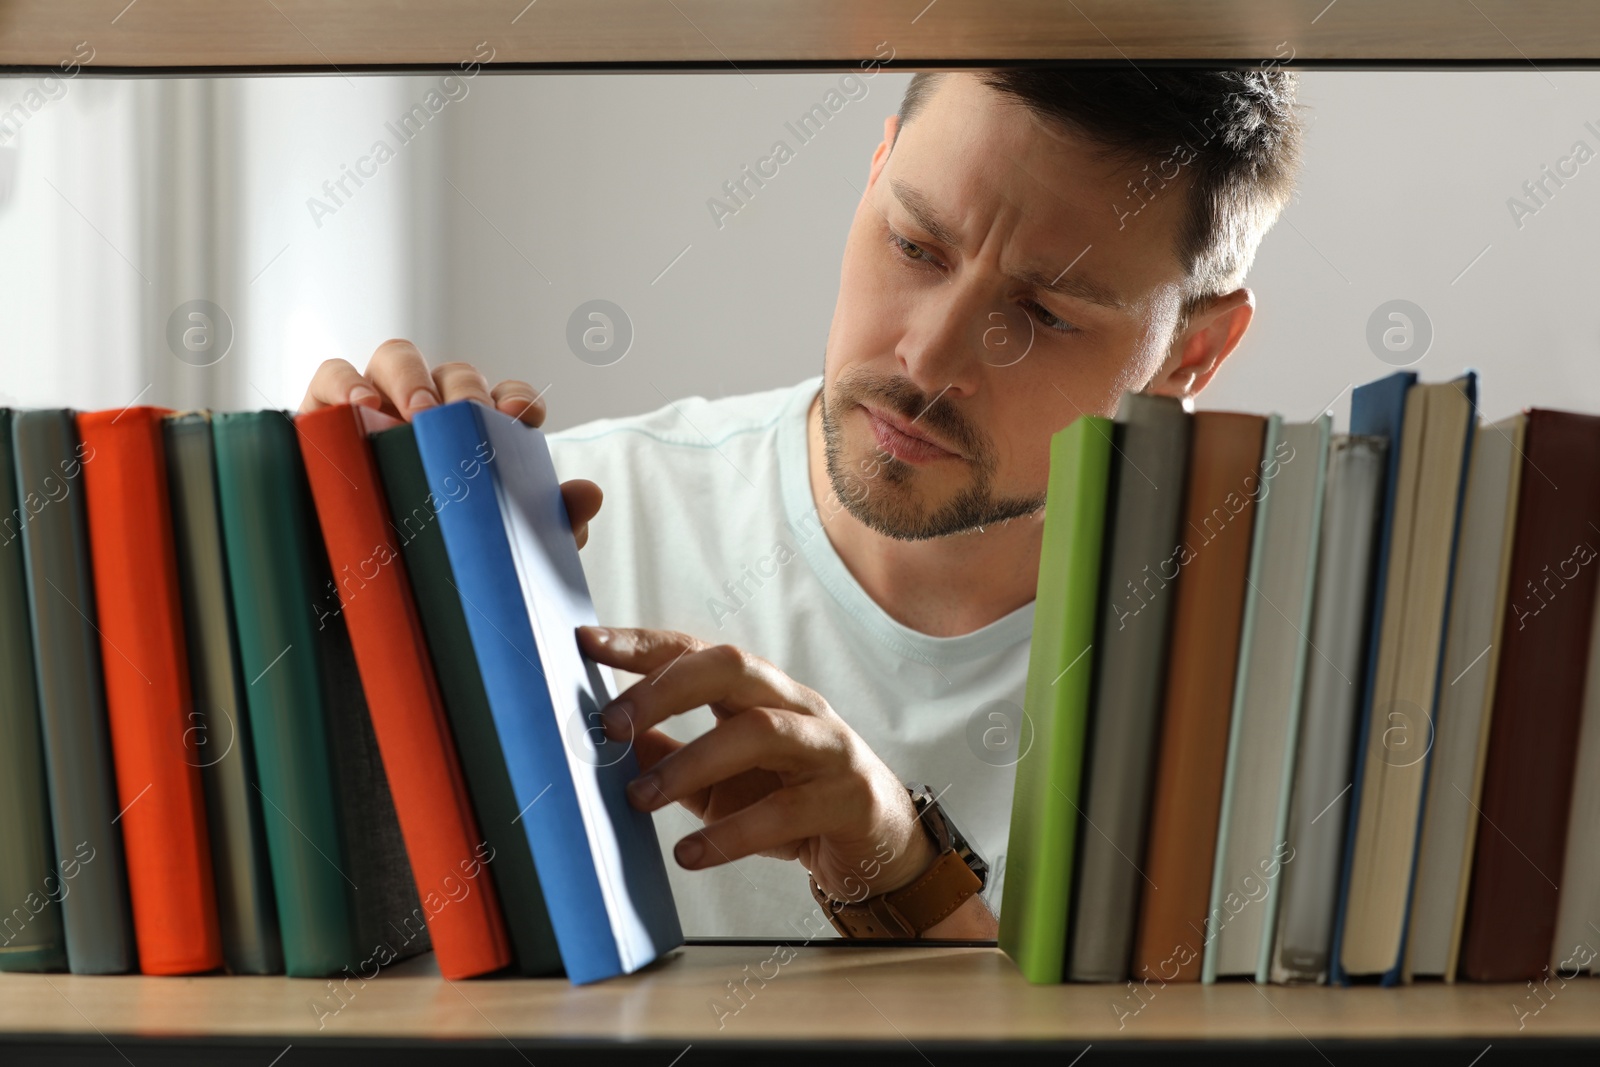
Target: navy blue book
x,y
522,588
1430,428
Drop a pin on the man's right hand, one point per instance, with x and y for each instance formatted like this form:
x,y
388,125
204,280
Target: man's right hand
x,y
398,382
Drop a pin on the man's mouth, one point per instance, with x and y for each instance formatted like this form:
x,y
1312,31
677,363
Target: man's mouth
x,y
904,440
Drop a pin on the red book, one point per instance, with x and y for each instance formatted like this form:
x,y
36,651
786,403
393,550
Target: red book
x,y
146,666
408,716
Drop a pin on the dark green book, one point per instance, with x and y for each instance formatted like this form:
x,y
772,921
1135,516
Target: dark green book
x,y
1036,897
219,720
444,625
90,879
339,869
31,935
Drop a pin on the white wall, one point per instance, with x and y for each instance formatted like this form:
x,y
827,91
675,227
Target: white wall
x,y
601,181
525,196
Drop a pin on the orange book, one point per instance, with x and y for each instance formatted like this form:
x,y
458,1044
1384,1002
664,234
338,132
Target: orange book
x,y
408,717
145,661
1225,480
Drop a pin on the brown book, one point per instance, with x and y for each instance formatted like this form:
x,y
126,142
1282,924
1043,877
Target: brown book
x,y
1538,701
1227,474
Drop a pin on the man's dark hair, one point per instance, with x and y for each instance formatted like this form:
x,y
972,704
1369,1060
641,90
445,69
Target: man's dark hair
x,y
1233,134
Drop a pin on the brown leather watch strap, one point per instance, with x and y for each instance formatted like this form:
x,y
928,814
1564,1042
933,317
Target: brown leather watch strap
x,y
909,911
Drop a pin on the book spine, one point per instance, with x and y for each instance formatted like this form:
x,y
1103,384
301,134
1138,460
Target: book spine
x,y
218,720
261,489
83,793
463,477
31,937
147,693
441,836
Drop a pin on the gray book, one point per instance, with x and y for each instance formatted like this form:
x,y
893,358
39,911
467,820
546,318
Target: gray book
x,y
31,937
218,720
1151,439
72,706
1320,796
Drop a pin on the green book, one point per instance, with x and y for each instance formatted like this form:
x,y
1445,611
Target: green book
x,y
444,624
31,936
266,526
1044,806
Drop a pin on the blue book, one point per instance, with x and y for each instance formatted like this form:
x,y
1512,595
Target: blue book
x,y
522,588
1430,430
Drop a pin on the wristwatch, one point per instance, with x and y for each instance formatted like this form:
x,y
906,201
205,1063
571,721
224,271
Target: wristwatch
x,y
956,874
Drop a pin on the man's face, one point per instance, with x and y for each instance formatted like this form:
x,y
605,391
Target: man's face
x,y
946,374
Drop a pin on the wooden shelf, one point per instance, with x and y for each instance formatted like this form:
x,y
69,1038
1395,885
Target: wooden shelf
x,y
247,35
845,997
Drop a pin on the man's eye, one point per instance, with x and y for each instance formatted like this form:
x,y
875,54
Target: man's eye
x,y
909,250
1048,320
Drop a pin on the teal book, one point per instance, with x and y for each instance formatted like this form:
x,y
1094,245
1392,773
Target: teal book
x,y
1044,813
262,496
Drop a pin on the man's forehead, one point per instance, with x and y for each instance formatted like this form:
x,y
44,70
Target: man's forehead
x,y
1071,199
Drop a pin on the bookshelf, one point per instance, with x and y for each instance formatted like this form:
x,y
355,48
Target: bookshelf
x,y
951,1004
931,1004
245,35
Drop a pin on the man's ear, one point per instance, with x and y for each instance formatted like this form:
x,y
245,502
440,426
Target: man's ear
x,y
891,126
1213,331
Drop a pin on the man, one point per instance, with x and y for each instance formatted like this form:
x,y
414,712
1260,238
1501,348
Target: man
x,y
843,572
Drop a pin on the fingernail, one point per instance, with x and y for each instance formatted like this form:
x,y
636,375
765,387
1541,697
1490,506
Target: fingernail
x,y
618,718
689,851
643,791
602,635
422,398
361,393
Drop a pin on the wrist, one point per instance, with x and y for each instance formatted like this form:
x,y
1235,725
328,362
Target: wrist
x,y
918,852
931,889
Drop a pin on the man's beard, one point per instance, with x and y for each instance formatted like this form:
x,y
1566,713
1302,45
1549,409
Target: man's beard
x,y
883,495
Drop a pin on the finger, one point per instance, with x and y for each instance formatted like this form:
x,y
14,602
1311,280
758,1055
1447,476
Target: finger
x,y
461,381
653,746
582,498
635,650
518,400
401,375
720,674
337,382
765,739
774,821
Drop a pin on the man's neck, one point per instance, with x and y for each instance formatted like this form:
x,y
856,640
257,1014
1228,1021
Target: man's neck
x,y
944,587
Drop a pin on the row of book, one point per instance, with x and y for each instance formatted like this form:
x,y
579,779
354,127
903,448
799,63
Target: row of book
x,y
302,694
1309,707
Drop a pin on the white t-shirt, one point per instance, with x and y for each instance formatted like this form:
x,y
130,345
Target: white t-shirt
x,y
709,527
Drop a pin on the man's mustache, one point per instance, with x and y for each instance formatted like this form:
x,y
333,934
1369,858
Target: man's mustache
x,y
941,416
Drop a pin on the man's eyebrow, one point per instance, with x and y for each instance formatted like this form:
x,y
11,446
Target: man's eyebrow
x,y
1073,285
923,211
